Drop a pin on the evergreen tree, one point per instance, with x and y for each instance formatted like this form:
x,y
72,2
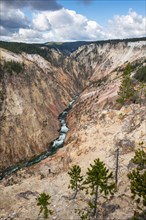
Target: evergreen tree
x,y
141,92
138,180
140,159
12,66
126,90
43,202
76,179
141,74
98,183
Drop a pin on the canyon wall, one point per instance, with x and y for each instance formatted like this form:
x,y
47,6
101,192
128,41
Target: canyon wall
x,y
32,99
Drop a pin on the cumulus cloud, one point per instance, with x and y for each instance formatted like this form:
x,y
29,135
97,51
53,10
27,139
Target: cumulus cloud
x,y
42,5
67,25
41,22
12,19
61,25
24,35
125,26
27,35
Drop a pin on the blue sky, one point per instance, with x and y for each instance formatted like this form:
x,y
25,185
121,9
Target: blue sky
x,y
102,10
71,20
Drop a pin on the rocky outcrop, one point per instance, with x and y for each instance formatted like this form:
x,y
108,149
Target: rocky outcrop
x,y
103,59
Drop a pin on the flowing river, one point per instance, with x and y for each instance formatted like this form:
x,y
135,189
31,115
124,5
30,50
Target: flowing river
x,y
58,143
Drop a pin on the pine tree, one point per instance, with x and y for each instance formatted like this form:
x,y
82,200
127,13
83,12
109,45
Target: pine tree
x,y
140,159
76,179
43,203
138,180
98,183
126,90
140,91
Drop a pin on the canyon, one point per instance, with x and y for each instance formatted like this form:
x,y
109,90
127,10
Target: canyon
x,y
30,104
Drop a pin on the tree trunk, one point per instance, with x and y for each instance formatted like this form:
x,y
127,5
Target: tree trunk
x,y
76,191
117,167
95,202
75,194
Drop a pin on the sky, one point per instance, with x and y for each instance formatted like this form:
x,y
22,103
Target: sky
x,y
40,21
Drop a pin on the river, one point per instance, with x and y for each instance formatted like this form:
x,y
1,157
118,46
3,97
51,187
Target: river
x,y
57,143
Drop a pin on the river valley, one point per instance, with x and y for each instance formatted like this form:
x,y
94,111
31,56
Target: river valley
x,y
35,111
58,143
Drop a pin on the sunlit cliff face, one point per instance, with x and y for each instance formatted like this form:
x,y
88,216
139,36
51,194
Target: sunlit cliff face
x,y
33,99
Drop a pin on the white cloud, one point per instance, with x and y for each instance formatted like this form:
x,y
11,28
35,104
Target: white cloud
x,y
24,35
41,22
12,18
64,24
95,30
61,25
12,14
125,26
67,25
40,5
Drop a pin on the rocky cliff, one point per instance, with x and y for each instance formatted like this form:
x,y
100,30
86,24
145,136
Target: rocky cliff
x,y
31,101
98,126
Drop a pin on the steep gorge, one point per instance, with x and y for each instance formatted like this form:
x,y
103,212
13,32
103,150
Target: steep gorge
x,y
33,99
98,127
30,104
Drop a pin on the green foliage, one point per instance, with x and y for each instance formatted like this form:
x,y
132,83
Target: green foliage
x,y
18,48
83,214
98,182
141,74
141,91
139,216
65,47
42,49
140,159
126,90
12,66
127,70
138,186
138,179
99,175
76,179
43,202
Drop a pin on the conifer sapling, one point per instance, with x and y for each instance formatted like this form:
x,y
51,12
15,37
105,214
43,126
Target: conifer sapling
x,y
43,202
99,183
76,179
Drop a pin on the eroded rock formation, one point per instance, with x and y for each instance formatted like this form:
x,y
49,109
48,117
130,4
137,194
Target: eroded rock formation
x,y
32,99
98,126
31,102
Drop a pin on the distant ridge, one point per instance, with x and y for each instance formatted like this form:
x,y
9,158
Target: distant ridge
x,y
64,47
72,46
